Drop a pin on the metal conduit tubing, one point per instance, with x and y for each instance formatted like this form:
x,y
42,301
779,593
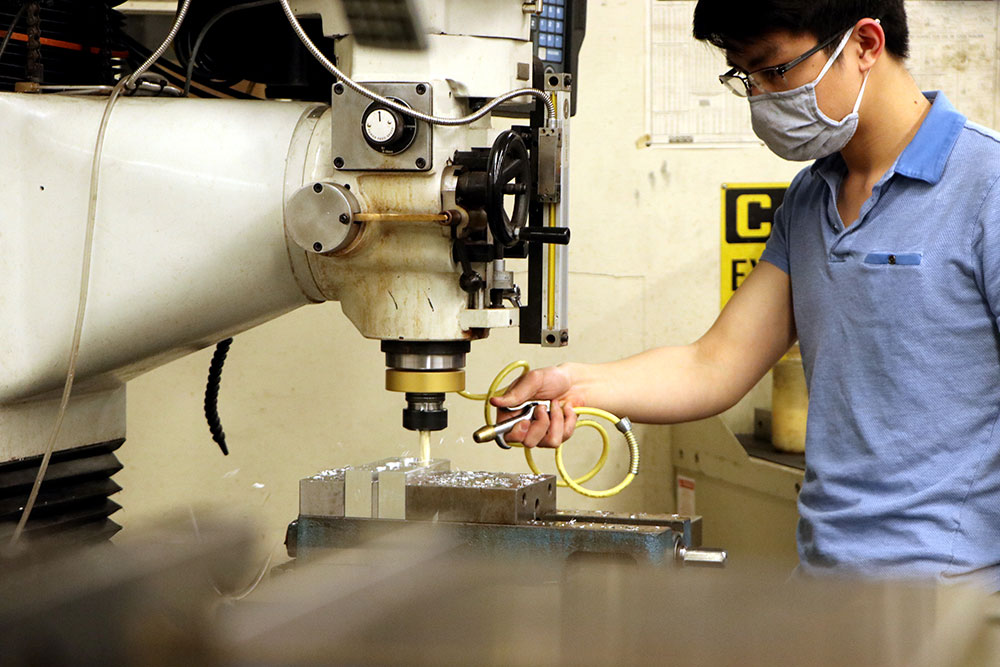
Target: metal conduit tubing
x,y
550,108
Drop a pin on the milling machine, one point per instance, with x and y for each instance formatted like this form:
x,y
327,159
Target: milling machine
x,y
384,187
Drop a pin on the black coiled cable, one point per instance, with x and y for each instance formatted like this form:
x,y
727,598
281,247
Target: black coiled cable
x,y
212,394
192,56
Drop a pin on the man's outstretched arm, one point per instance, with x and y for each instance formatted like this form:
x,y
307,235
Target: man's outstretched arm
x,y
670,384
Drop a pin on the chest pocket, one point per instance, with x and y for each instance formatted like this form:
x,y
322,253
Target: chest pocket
x,y
889,290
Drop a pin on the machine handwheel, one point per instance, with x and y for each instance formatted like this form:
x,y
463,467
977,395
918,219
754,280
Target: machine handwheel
x,y
509,174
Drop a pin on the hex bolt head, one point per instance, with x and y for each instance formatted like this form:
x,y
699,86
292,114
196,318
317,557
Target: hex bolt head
x,y
344,218
317,188
421,89
421,163
338,162
338,89
317,246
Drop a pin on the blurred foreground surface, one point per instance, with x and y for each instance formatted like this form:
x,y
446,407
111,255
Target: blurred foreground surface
x,y
413,598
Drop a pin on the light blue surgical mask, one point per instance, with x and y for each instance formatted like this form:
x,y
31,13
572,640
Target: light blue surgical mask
x,y
793,126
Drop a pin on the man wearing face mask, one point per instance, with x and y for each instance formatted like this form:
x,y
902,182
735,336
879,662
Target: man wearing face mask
x,y
884,262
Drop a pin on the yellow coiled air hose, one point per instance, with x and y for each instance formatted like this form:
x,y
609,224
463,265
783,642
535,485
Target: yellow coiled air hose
x,y
623,425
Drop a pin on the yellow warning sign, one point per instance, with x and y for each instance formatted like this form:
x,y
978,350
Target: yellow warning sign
x,y
747,216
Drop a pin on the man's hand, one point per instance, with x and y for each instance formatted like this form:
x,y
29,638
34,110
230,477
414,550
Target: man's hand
x,y
547,428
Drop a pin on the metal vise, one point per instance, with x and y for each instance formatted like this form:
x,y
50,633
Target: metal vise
x,y
487,512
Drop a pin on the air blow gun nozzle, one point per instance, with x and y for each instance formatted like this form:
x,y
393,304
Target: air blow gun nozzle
x,y
496,432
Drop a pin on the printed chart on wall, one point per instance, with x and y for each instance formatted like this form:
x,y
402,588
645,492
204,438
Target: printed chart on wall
x,y
687,106
747,217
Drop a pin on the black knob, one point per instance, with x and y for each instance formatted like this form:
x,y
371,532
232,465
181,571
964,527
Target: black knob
x,y
387,130
556,235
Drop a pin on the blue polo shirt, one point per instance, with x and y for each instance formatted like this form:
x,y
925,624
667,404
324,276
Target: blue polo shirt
x,y
897,321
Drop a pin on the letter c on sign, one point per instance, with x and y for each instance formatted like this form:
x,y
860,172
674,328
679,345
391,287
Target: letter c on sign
x,y
743,203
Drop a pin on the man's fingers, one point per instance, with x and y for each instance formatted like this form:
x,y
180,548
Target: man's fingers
x,y
518,433
554,436
539,425
569,421
523,389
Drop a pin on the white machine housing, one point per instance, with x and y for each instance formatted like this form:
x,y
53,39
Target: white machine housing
x,y
191,245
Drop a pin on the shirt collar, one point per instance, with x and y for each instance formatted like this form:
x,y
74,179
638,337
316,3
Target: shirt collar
x,y
927,153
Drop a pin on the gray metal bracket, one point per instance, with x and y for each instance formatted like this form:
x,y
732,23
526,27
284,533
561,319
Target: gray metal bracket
x,y
350,150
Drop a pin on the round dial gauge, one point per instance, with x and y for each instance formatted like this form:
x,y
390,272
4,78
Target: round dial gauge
x,y
387,131
381,126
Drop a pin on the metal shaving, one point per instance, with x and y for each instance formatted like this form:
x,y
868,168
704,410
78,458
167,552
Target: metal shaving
x,y
334,474
401,463
481,480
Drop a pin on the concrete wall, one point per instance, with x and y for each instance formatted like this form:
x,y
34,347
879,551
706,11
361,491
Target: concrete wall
x,y
304,393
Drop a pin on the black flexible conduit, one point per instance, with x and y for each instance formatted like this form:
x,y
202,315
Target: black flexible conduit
x,y
34,69
212,394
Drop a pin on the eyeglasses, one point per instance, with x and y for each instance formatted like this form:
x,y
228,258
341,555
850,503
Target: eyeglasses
x,y
763,79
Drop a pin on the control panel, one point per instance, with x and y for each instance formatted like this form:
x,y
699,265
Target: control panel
x,y
557,32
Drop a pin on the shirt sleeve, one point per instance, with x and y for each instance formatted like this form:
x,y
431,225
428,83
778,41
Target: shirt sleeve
x,y
776,250
778,245
986,249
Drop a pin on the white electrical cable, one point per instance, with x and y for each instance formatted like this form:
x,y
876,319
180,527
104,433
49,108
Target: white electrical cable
x,y
81,309
88,247
236,597
10,30
550,109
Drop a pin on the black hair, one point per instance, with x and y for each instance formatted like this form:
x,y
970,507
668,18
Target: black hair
x,y
733,25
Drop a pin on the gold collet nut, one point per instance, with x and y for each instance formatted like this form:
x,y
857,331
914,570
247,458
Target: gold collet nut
x,y
424,382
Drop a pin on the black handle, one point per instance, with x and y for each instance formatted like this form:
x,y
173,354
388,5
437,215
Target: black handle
x,y
556,235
